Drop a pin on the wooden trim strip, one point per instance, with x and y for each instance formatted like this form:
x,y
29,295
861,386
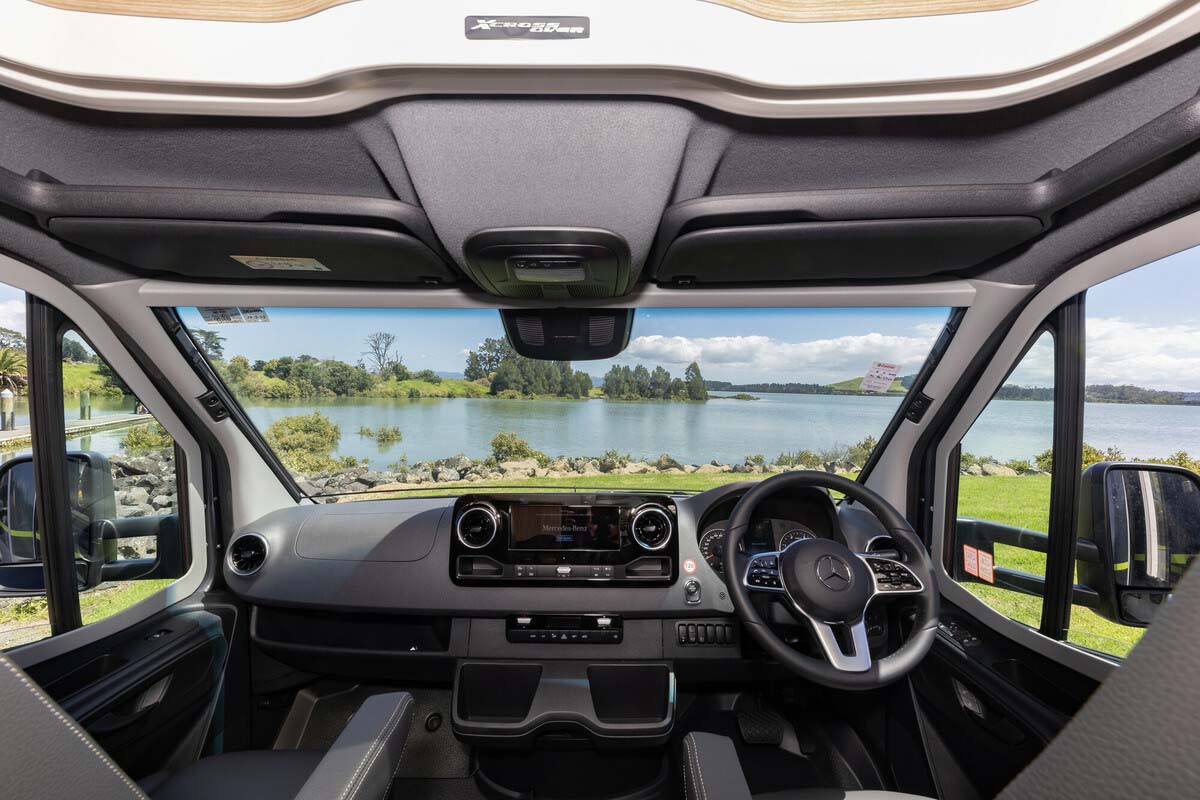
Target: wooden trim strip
x,y
208,10
847,10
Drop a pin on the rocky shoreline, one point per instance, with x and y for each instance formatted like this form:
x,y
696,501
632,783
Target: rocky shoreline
x,y
144,483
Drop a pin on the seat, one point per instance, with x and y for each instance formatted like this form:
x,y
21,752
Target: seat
x,y
711,771
46,754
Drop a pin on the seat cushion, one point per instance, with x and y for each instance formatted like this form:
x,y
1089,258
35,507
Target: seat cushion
x,y
836,794
249,775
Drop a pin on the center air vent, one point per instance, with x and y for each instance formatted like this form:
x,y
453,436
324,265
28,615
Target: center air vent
x,y
478,525
651,527
247,554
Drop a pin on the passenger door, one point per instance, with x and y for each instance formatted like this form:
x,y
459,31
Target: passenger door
x,y
94,536
1030,625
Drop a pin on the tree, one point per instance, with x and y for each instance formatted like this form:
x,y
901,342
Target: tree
x,y
492,353
211,344
379,350
73,350
110,378
696,390
12,369
239,368
473,371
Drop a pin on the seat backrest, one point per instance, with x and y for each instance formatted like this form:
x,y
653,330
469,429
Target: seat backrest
x,y
1137,735
43,753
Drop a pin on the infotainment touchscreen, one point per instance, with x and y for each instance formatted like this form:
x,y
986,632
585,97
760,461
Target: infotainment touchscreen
x,y
566,527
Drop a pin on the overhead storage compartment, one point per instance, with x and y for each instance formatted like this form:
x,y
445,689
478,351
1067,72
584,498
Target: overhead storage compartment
x,y
238,235
882,249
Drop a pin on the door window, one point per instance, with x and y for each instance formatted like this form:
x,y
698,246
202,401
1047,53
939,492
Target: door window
x,y
127,538
1003,511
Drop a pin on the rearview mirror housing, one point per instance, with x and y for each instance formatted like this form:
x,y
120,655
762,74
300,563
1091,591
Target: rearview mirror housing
x,y
1145,522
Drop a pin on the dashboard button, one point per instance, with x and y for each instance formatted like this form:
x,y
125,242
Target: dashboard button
x,y
563,572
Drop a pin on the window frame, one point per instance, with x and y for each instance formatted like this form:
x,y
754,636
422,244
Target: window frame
x,y
930,461
198,508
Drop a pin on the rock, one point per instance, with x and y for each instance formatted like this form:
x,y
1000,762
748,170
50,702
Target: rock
x,y
672,471
141,465
134,497
665,462
998,469
418,475
556,473
637,468
148,481
774,469
708,469
715,463
162,501
689,468
373,478
459,462
591,468
308,488
974,469
523,467
354,487
446,475
139,510
540,473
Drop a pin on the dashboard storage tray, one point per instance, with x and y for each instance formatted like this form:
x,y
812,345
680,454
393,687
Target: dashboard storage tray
x,y
512,704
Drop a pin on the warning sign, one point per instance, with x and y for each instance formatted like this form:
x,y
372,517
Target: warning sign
x,y
987,565
879,377
971,560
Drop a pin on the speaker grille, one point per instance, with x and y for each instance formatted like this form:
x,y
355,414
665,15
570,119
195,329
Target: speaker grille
x,y
530,330
601,330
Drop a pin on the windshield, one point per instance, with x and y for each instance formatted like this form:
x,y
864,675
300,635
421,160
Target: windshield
x,y
376,402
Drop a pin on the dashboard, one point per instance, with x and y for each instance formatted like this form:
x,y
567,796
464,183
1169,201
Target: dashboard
x,y
777,523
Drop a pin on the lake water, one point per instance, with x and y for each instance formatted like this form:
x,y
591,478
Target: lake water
x,y
724,429
695,433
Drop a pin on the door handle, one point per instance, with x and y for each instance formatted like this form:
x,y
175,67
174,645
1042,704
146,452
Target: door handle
x,y
129,713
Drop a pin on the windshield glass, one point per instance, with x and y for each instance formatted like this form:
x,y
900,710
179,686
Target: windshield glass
x,y
373,402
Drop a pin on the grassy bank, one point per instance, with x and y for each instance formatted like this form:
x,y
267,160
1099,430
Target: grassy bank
x,y
1022,501
24,619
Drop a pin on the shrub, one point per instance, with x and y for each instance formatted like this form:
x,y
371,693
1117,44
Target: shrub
x,y
304,442
146,437
757,460
615,458
1019,466
385,433
428,375
800,458
414,393
861,451
507,446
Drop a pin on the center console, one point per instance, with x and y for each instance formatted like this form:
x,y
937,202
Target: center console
x,y
584,539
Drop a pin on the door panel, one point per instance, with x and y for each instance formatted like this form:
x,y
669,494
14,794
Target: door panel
x,y
142,692
994,703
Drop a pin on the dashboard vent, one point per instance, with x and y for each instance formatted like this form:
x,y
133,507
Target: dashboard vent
x,y
651,527
478,525
247,554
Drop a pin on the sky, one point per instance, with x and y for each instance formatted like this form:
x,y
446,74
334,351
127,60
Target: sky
x,y
1143,327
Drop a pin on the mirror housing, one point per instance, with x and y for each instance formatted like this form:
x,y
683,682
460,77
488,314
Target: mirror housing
x,y
1145,522
93,507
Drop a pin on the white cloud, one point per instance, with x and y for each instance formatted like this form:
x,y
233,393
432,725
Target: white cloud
x,y
12,314
771,358
1156,357
930,329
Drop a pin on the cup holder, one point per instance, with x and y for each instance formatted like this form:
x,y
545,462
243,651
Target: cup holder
x,y
511,704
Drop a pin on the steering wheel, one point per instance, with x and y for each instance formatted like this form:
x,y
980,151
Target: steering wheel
x,y
828,587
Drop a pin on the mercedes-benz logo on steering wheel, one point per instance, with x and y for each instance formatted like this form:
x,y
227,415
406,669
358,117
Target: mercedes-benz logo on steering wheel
x,y
834,573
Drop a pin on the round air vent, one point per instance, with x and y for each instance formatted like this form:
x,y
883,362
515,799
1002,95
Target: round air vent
x,y
477,525
651,527
247,554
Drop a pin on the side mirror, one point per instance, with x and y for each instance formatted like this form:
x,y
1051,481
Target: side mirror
x,y
1145,522
93,507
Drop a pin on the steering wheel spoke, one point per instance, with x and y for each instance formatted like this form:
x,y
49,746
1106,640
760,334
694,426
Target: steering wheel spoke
x,y
762,573
853,638
891,576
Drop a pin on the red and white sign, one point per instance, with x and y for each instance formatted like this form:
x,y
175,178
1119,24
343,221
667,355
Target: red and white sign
x,y
971,560
987,565
689,565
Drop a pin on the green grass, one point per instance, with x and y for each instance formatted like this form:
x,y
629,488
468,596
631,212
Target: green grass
x,y
24,620
77,377
1023,501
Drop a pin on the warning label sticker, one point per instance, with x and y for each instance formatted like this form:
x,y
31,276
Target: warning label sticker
x,y
971,560
987,565
284,263
233,315
879,377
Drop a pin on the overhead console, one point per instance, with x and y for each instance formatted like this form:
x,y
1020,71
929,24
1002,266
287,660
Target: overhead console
x,y
582,540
